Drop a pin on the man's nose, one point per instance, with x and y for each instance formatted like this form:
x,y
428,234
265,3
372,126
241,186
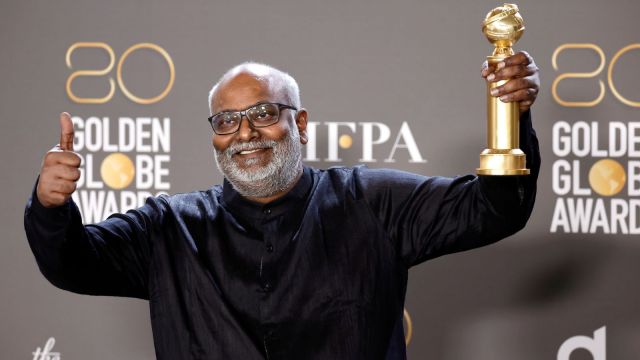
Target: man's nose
x,y
246,131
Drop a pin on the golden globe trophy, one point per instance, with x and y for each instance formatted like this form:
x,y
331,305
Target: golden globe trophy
x,y
503,26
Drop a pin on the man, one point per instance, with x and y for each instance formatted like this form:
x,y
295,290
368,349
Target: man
x,y
282,261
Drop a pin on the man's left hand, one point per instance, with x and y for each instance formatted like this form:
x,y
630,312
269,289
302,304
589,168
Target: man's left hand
x,y
523,78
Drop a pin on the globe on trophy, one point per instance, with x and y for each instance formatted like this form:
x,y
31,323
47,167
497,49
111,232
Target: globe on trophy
x,y
503,27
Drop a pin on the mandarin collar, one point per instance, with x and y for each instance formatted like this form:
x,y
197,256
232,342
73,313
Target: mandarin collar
x,y
247,208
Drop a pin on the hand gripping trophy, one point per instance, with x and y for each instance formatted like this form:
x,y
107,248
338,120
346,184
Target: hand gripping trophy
x,y
503,27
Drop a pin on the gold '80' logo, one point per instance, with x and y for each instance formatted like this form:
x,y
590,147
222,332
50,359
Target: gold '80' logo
x,y
597,100
107,70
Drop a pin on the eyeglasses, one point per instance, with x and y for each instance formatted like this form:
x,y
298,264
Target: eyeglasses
x,y
259,116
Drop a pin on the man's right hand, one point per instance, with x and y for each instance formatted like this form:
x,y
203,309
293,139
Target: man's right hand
x,y
60,168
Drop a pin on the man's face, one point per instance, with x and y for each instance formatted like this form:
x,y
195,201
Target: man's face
x,y
261,161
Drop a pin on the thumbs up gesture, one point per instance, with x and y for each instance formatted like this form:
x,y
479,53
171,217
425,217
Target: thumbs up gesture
x,y
60,168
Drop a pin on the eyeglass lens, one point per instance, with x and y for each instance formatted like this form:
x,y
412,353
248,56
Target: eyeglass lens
x,y
260,116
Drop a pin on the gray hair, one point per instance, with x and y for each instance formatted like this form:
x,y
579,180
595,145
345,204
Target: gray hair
x,y
277,78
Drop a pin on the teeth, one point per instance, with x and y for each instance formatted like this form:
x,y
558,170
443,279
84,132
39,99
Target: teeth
x,y
248,151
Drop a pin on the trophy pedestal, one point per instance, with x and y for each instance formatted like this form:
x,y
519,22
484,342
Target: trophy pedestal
x,y
502,162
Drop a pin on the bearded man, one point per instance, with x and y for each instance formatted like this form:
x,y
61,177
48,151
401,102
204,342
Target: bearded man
x,y
281,261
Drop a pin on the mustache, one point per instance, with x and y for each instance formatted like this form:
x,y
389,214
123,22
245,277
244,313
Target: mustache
x,y
247,146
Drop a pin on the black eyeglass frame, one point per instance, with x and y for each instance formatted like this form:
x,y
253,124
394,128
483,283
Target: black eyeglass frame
x,y
243,113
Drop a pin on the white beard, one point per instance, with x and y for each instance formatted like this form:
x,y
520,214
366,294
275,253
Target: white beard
x,y
276,176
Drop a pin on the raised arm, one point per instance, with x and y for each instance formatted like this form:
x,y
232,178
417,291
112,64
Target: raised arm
x,y
108,258
427,217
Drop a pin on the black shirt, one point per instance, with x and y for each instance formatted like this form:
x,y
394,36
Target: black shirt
x,y
320,273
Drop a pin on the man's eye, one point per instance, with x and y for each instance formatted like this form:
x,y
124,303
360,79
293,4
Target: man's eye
x,y
226,120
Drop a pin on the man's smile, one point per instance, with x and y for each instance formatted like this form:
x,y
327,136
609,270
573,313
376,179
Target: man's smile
x,y
248,151
252,156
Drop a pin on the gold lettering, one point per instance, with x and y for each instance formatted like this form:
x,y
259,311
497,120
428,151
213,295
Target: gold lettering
x,y
610,72
166,90
79,73
554,86
409,331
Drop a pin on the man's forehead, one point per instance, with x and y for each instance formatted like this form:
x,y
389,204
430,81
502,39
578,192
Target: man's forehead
x,y
242,90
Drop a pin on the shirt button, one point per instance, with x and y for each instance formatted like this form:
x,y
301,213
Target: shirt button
x,y
267,211
270,247
267,287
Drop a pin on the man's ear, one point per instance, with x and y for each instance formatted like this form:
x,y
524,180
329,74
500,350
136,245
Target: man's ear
x,y
301,124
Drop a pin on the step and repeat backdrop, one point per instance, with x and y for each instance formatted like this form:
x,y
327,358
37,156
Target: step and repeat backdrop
x,y
389,84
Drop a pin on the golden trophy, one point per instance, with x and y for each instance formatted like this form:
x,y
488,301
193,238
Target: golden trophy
x,y
503,26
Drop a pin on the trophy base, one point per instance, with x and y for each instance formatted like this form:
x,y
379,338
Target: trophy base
x,y
499,162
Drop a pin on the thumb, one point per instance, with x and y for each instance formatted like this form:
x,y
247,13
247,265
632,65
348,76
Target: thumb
x,y
66,132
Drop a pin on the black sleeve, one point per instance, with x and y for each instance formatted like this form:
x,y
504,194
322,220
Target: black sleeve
x,y
108,258
427,217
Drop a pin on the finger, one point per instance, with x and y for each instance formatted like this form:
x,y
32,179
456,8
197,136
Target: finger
x,y
488,69
62,157
512,85
66,132
520,58
525,105
52,192
63,187
520,95
512,72
53,199
65,172
485,69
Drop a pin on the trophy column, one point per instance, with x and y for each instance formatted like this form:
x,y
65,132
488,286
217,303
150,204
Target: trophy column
x,y
503,26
